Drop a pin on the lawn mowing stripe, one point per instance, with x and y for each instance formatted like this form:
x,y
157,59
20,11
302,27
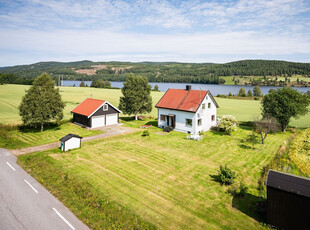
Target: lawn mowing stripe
x,y
126,173
131,188
146,201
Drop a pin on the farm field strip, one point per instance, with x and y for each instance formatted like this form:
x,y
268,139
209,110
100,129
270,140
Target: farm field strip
x,y
243,110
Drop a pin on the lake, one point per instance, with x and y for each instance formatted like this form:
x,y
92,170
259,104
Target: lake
x,y
214,89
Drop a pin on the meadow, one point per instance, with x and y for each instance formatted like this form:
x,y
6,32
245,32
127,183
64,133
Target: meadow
x,y
165,179
13,137
10,97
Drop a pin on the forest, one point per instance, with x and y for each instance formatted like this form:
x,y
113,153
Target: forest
x,y
206,73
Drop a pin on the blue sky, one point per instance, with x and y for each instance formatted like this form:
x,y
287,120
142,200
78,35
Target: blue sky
x,y
146,30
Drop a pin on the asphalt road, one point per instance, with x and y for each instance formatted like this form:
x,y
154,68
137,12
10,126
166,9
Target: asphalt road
x,y
25,204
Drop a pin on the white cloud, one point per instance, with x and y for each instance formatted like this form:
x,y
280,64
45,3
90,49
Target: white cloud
x,y
152,29
98,43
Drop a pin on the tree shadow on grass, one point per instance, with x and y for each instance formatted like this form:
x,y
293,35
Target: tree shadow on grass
x,y
243,146
215,178
153,123
37,129
252,206
127,118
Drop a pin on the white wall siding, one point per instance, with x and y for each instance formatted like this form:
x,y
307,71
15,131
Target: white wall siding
x,y
180,117
72,143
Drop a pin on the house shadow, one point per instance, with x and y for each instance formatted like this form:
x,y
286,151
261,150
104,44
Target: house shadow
x,y
251,205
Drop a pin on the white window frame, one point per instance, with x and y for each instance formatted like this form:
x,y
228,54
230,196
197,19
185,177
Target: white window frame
x,y
200,122
105,107
209,105
186,122
203,106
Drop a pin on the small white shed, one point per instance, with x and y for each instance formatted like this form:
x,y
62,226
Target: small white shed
x,y
70,141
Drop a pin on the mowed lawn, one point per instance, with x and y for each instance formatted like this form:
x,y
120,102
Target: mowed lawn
x,y
11,95
16,138
169,180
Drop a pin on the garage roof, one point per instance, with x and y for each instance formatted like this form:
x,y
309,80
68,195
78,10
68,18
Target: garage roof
x,y
88,106
185,100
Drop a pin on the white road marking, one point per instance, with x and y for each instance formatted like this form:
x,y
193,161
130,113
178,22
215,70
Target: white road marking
x,y
67,222
31,186
10,166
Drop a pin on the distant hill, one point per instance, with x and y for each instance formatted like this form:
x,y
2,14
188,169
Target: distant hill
x,y
159,71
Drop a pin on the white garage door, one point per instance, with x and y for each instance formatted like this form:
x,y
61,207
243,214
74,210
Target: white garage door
x,y
97,121
112,119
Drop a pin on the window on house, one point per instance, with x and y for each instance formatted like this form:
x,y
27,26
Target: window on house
x,y
213,118
105,107
203,106
199,122
162,117
209,105
188,122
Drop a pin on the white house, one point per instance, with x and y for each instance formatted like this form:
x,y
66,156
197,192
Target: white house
x,y
70,141
94,113
190,111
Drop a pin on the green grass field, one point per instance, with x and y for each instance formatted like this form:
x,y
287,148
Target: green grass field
x,y
15,138
168,180
10,97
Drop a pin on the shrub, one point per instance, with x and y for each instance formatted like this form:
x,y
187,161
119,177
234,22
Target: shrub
x,y
238,189
146,133
226,175
228,124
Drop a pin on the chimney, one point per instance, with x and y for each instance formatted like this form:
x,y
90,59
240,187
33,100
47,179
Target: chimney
x,y
188,87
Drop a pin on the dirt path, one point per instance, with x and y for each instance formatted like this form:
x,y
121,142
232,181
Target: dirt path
x,y
108,132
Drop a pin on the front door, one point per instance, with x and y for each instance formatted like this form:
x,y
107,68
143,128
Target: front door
x,y
171,121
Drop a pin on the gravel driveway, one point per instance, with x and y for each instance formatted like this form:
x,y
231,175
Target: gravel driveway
x,y
108,132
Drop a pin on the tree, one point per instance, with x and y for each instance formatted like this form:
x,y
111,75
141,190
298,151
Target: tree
x,y
242,92
230,94
228,124
265,126
271,91
250,93
82,84
107,84
257,92
284,104
156,88
136,96
41,103
252,139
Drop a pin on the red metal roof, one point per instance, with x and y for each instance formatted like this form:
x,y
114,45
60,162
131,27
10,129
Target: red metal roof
x,y
88,106
181,99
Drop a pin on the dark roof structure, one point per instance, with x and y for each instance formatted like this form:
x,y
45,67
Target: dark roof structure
x,y
181,99
67,137
288,182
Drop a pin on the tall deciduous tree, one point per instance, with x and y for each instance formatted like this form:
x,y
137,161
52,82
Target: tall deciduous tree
x,y
82,84
136,96
257,91
284,104
41,103
242,92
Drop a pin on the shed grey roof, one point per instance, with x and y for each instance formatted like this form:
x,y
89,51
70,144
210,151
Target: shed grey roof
x,y
288,182
67,137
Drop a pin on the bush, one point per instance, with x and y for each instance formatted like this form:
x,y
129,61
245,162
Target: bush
x,y
228,124
226,175
238,189
146,133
